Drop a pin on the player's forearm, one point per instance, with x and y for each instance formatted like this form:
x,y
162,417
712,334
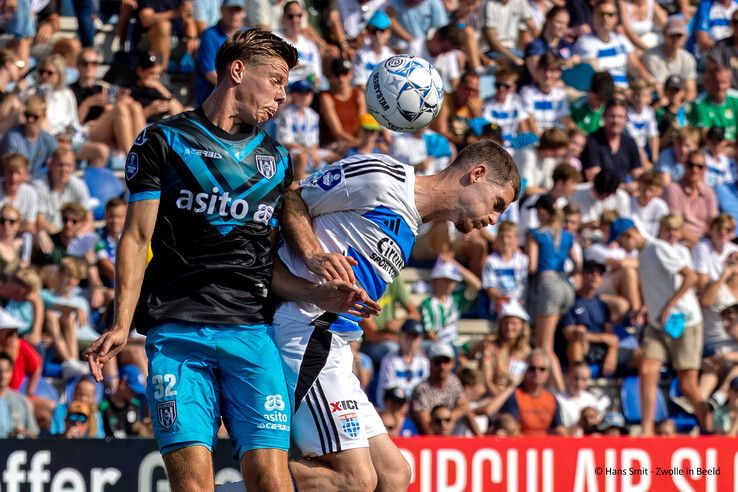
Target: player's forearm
x,y
290,287
297,226
130,266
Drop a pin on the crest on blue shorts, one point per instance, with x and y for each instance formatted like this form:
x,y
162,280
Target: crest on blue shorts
x,y
350,425
166,412
266,165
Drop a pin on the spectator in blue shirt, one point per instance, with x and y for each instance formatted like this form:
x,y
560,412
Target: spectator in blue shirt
x,y
231,20
29,138
413,19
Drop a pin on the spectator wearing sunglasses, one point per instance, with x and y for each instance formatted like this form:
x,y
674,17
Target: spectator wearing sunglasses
x,y
505,108
532,404
442,421
80,421
441,388
309,62
692,198
29,138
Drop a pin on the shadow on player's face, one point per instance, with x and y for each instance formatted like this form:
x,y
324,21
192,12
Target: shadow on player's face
x,y
481,205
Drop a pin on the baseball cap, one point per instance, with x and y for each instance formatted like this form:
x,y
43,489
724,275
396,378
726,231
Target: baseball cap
x,y
441,349
612,419
618,227
513,309
233,3
302,86
78,407
368,122
674,83
379,20
395,394
590,265
412,326
134,378
445,269
147,60
546,202
675,25
341,66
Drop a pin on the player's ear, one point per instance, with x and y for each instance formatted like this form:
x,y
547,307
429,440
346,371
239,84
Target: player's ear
x,y
237,71
478,173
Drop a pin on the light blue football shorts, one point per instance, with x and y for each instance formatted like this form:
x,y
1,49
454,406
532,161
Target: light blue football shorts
x,y
198,373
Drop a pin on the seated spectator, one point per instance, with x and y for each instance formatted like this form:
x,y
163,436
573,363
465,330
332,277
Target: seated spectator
x,y
80,421
10,242
408,367
109,234
368,136
671,161
505,108
566,179
674,331
377,50
16,191
309,63
587,111
412,20
17,421
532,405
472,380
607,50
711,23
611,147
440,313
340,107
346,20
588,327
716,106
724,50
550,294
544,100
576,397
441,388
124,412
692,198
459,109
604,193
720,168
505,271
502,358
25,305
298,130
466,14
84,393
672,115
396,407
589,423
712,252
66,314
552,40
504,21
670,59
26,362
109,115
11,107
640,18
536,165
231,20
29,138
641,124
157,101
577,140
646,204
442,421
613,424
163,19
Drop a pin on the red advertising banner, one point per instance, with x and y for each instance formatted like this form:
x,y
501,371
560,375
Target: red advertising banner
x,y
552,464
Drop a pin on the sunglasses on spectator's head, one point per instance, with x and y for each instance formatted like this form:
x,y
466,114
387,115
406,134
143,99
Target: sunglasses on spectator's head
x,y
87,63
75,418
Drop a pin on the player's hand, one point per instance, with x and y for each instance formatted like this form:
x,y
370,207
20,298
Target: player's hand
x,y
105,348
338,296
332,266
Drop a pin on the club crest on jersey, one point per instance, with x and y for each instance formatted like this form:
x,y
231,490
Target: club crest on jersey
x,y
350,425
266,165
329,179
131,165
166,412
141,139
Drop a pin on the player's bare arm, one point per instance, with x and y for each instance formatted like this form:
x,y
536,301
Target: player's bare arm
x,y
130,267
297,229
335,296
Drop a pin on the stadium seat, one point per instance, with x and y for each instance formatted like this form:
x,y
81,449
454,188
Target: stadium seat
x,y
631,401
44,389
683,421
103,185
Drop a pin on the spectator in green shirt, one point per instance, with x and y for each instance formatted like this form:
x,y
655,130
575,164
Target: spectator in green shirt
x,y
718,104
587,111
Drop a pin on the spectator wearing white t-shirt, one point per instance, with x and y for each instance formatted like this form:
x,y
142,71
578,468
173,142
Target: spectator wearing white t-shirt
x,y
544,100
671,230
602,194
642,120
504,20
710,253
505,272
408,367
309,62
646,203
298,129
536,165
674,333
576,395
15,191
375,51
505,108
721,169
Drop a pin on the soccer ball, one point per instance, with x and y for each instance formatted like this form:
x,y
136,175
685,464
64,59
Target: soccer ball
x,y
404,93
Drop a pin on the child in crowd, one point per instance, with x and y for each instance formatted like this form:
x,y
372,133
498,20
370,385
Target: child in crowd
x,y
720,168
25,303
506,269
298,129
505,108
577,140
671,161
66,313
646,204
673,114
642,119
544,99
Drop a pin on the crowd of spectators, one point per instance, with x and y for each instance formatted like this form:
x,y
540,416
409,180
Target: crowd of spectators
x,y
617,264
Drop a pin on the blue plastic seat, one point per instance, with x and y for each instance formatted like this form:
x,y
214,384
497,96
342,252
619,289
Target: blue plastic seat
x,y
103,185
630,397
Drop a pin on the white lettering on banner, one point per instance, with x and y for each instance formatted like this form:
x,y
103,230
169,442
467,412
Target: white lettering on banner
x,y
495,471
228,475
610,462
635,458
68,480
443,459
39,475
584,475
512,470
13,476
101,477
151,462
426,483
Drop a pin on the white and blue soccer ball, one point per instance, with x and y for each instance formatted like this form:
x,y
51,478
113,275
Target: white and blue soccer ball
x,y
404,93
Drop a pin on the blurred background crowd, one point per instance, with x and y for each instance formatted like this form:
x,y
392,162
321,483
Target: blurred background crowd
x,y
605,302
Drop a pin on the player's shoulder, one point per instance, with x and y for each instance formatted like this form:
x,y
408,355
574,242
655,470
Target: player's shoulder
x,y
373,166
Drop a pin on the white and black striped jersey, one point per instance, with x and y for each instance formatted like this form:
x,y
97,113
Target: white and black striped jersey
x,y
363,207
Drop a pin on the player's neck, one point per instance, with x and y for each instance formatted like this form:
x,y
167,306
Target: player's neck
x,y
221,112
433,199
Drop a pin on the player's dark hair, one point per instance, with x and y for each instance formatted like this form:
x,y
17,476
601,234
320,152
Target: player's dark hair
x,y
501,168
253,47
602,85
